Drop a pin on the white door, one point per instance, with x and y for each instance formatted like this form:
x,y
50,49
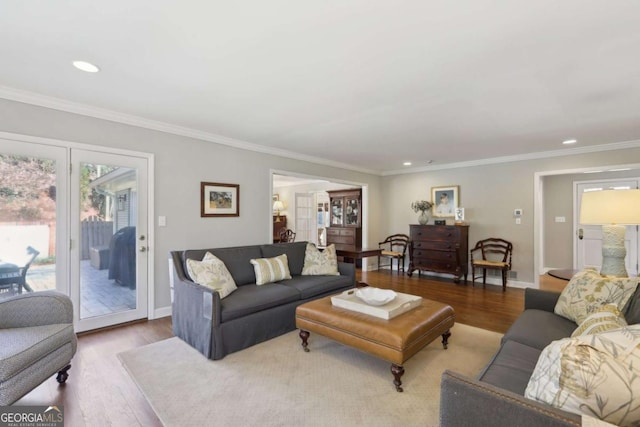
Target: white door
x,y
305,218
109,259
588,238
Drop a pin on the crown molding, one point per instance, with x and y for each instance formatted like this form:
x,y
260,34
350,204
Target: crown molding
x,y
32,98
53,103
521,157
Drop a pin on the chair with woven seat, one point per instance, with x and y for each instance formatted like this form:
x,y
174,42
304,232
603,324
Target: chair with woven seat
x,y
491,254
394,247
287,235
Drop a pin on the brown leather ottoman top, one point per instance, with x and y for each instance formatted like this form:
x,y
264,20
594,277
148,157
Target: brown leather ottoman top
x,y
394,340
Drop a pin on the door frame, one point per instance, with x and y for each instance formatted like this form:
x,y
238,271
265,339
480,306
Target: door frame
x,y
576,214
538,208
65,223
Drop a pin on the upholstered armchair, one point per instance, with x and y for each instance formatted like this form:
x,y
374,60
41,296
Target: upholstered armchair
x,y
37,340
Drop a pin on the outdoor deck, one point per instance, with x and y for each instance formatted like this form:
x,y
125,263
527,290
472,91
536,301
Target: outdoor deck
x,y
98,294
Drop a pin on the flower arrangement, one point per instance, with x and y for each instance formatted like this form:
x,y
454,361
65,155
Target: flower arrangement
x,y
421,206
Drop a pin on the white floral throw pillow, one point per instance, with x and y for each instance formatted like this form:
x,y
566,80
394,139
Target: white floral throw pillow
x,y
212,273
596,375
603,319
588,290
320,263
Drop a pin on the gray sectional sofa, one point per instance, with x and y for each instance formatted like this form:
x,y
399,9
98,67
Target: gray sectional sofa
x,y
251,314
496,397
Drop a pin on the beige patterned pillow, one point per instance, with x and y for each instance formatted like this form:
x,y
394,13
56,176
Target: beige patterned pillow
x,y
588,291
605,318
317,263
596,375
212,273
269,270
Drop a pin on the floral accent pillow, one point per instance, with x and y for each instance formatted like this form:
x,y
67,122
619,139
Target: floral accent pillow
x,y
212,273
605,318
269,270
588,291
320,263
596,375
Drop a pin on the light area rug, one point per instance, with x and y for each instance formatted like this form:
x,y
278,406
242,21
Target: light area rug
x,y
276,383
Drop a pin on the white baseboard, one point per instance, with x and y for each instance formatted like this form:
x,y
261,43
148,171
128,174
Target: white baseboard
x,y
161,312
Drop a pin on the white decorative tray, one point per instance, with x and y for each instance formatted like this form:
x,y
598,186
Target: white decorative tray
x,y
400,304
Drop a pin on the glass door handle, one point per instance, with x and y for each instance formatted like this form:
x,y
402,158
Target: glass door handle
x,y
580,233
143,248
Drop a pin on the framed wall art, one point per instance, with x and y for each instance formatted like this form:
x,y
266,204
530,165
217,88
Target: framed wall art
x,y
445,201
218,199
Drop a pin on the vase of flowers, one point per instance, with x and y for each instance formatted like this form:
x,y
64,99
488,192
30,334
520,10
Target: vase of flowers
x,y
424,207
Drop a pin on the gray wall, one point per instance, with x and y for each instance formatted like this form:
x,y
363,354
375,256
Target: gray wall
x,y
558,201
489,194
181,163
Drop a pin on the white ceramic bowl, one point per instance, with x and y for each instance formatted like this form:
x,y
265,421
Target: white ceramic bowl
x,y
375,296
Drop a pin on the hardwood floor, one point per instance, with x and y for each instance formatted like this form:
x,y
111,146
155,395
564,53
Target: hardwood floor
x,y
99,392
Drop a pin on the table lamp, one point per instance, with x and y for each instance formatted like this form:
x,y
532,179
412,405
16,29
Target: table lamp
x,y
278,206
613,209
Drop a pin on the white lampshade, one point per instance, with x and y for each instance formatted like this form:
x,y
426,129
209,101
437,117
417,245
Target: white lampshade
x,y
613,209
621,207
278,206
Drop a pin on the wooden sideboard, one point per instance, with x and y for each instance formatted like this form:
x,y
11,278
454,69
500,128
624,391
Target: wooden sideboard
x,y
278,226
440,248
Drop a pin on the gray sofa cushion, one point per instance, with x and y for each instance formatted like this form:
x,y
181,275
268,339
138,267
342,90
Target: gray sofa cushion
x,y
632,309
253,298
310,286
537,328
511,367
295,254
23,347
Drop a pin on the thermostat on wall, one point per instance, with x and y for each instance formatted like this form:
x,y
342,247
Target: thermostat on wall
x,y
517,213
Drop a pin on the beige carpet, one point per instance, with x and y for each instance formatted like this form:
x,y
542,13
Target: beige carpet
x,y
275,383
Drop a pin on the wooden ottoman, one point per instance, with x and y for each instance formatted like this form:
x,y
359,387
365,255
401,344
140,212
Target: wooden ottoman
x,y
394,340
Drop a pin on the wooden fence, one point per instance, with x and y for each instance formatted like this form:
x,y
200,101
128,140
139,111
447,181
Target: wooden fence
x,y
94,233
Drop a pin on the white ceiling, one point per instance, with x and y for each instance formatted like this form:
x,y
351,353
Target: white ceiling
x,y
368,84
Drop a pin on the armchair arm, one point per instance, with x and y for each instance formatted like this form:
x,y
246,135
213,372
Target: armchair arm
x,y
468,402
35,309
540,300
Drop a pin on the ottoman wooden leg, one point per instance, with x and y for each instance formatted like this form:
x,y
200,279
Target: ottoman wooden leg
x,y
445,339
397,372
304,335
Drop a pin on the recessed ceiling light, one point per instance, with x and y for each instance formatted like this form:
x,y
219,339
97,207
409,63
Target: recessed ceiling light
x,y
86,66
592,171
406,164
619,170
570,141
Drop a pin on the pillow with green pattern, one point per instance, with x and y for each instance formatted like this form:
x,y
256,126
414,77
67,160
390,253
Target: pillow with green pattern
x,y
320,263
595,375
588,290
212,273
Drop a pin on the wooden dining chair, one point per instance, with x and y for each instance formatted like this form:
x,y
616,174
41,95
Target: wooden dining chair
x,y
491,254
287,235
394,247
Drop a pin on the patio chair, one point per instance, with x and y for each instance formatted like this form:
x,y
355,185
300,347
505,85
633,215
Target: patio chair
x,y
12,275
